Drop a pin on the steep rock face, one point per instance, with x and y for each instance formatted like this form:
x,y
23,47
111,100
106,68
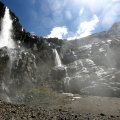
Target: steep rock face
x,y
4,60
93,63
28,65
115,30
90,65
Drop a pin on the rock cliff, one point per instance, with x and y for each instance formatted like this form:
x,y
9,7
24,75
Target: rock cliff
x,y
90,65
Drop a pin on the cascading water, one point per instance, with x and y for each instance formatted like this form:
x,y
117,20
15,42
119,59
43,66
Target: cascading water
x,y
7,41
6,31
67,81
58,62
6,35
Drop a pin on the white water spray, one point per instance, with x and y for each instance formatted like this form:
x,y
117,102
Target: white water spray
x,y
67,81
6,40
6,31
58,62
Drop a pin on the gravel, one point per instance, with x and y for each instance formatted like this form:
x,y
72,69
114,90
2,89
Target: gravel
x,y
10,111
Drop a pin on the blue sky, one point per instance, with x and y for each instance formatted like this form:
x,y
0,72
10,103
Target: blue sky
x,y
66,19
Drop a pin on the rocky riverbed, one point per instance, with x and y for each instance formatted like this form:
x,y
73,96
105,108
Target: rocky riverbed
x,y
75,108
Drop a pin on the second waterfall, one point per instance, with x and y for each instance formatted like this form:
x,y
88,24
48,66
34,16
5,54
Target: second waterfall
x,y
58,62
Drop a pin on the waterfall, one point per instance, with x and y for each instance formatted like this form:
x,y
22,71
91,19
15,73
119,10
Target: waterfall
x,y
6,31
6,35
58,62
67,81
7,41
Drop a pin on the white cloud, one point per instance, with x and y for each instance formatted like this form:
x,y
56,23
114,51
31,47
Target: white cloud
x,y
68,15
81,11
58,32
115,0
85,28
61,11
106,9
93,5
111,14
56,6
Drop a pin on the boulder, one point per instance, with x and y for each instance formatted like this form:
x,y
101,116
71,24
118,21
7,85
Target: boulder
x,y
4,55
58,73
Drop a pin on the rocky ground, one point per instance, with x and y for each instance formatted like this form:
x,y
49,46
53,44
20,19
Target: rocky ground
x,y
77,108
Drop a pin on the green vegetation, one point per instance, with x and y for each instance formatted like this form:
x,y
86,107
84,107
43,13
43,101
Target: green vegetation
x,y
42,95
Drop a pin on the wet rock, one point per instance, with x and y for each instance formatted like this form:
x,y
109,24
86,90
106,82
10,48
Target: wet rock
x,y
4,55
58,73
4,64
77,83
